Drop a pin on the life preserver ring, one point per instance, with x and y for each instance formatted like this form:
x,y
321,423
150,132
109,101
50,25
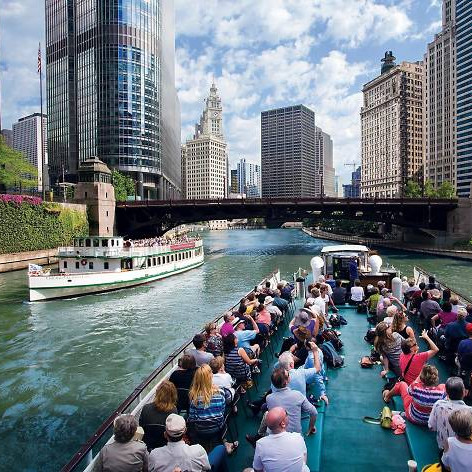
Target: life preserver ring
x,y
83,262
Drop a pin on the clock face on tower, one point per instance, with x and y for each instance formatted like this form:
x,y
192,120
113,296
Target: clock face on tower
x,y
215,114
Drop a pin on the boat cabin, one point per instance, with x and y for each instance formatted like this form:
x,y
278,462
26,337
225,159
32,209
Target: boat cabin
x,y
99,242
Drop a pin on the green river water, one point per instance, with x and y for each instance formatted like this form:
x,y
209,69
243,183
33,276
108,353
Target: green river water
x,y
66,364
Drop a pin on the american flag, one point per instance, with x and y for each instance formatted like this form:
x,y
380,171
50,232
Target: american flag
x,y
39,59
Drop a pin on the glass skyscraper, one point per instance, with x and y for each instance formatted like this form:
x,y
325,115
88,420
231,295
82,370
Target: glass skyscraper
x,y
111,90
464,96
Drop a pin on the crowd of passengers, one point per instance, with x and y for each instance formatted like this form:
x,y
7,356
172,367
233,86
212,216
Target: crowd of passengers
x,y
185,426
162,241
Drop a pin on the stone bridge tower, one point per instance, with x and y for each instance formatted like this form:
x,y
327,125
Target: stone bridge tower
x,y
96,190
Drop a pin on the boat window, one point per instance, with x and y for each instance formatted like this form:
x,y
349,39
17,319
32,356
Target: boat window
x,y
149,262
104,242
96,243
154,261
65,264
88,243
106,265
77,265
90,265
158,261
112,242
81,243
167,259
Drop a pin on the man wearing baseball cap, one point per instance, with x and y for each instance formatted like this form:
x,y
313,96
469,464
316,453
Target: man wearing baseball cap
x,y
178,454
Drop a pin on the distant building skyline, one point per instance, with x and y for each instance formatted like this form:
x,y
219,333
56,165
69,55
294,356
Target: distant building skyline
x,y
392,135
325,179
111,91
204,158
288,161
248,179
353,190
26,138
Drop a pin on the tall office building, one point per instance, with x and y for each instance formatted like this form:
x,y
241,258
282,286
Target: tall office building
x,y
392,129
27,140
440,102
234,184
205,156
353,190
464,94
249,179
324,181
111,90
288,162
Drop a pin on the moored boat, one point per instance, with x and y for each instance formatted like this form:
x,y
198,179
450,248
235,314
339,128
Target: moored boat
x,y
100,264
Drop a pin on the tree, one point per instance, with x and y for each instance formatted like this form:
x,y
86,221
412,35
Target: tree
x,y
412,189
429,190
446,190
15,170
124,186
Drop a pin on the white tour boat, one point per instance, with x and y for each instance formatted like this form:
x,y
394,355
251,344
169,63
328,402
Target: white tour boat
x,y
100,264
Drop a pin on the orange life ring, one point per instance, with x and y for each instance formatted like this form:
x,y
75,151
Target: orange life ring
x,y
83,262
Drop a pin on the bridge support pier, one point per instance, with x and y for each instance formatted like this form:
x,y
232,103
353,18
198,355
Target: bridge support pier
x,y
459,222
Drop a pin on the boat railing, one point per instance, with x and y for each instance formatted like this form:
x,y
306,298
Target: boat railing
x,y
421,275
84,457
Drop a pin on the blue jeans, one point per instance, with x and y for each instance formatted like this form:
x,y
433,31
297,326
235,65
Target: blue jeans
x,y
217,459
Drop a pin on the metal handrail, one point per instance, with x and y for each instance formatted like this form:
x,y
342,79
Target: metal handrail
x,y
105,426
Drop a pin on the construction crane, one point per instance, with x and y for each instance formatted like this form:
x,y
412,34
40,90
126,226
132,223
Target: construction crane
x,y
354,165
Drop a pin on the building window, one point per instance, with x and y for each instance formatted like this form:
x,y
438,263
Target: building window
x,y
65,264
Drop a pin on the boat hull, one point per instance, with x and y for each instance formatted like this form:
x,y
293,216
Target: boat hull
x,y
48,287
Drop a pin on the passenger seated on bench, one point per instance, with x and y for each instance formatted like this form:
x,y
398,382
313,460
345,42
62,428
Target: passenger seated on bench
x,y
373,301
428,307
464,351
458,453
339,293
213,339
123,453
399,325
244,336
199,352
444,317
417,298
410,350
220,377
456,331
442,409
357,293
237,362
388,345
420,396
275,312
153,415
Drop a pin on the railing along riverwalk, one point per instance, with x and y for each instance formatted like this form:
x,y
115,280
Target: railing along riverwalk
x,y
84,457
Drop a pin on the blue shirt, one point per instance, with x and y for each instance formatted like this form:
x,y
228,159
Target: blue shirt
x,y
353,272
244,337
280,303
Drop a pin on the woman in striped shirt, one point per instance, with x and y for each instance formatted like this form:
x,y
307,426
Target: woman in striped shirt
x,y
420,396
207,407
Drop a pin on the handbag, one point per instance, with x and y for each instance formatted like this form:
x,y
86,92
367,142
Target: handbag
x,y
432,468
366,362
384,420
402,377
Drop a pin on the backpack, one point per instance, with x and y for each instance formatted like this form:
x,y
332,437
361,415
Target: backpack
x,y
330,336
332,358
370,336
334,321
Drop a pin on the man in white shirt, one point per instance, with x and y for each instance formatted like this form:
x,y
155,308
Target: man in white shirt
x,y
177,454
280,451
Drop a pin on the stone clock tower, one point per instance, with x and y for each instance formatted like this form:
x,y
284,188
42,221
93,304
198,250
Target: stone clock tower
x,y
211,121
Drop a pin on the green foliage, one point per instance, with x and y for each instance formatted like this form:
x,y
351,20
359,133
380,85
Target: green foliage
x,y
412,189
124,186
31,228
429,190
15,170
341,226
446,190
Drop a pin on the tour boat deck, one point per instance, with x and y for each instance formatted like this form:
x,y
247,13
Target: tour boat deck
x,y
342,438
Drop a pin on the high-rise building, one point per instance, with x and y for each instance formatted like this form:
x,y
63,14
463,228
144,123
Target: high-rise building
x,y
392,129
353,190
288,160
7,136
234,187
324,180
27,140
440,102
249,179
111,90
206,159
464,93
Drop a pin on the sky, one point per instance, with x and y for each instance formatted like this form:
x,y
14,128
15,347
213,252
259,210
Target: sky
x,y
263,54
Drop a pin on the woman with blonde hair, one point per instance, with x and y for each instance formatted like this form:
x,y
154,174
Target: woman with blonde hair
x,y
153,415
399,325
207,407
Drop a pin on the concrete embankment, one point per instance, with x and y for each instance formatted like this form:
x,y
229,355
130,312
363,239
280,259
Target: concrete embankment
x,y
374,242
20,260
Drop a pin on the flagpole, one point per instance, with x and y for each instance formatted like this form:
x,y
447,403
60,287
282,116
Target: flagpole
x,y
43,164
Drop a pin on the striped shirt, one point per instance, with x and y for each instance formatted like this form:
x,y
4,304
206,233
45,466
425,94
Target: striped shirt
x,y
423,399
208,419
236,367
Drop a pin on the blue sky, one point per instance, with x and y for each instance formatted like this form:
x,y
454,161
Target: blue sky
x,y
262,53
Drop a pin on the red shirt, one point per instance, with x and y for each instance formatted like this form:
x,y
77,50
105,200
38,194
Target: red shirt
x,y
416,365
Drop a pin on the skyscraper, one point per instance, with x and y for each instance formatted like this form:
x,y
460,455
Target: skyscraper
x,y
288,152
440,102
111,90
205,156
27,140
392,129
249,179
464,93
353,190
325,182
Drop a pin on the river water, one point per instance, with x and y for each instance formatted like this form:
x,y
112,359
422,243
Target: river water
x,y
66,364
